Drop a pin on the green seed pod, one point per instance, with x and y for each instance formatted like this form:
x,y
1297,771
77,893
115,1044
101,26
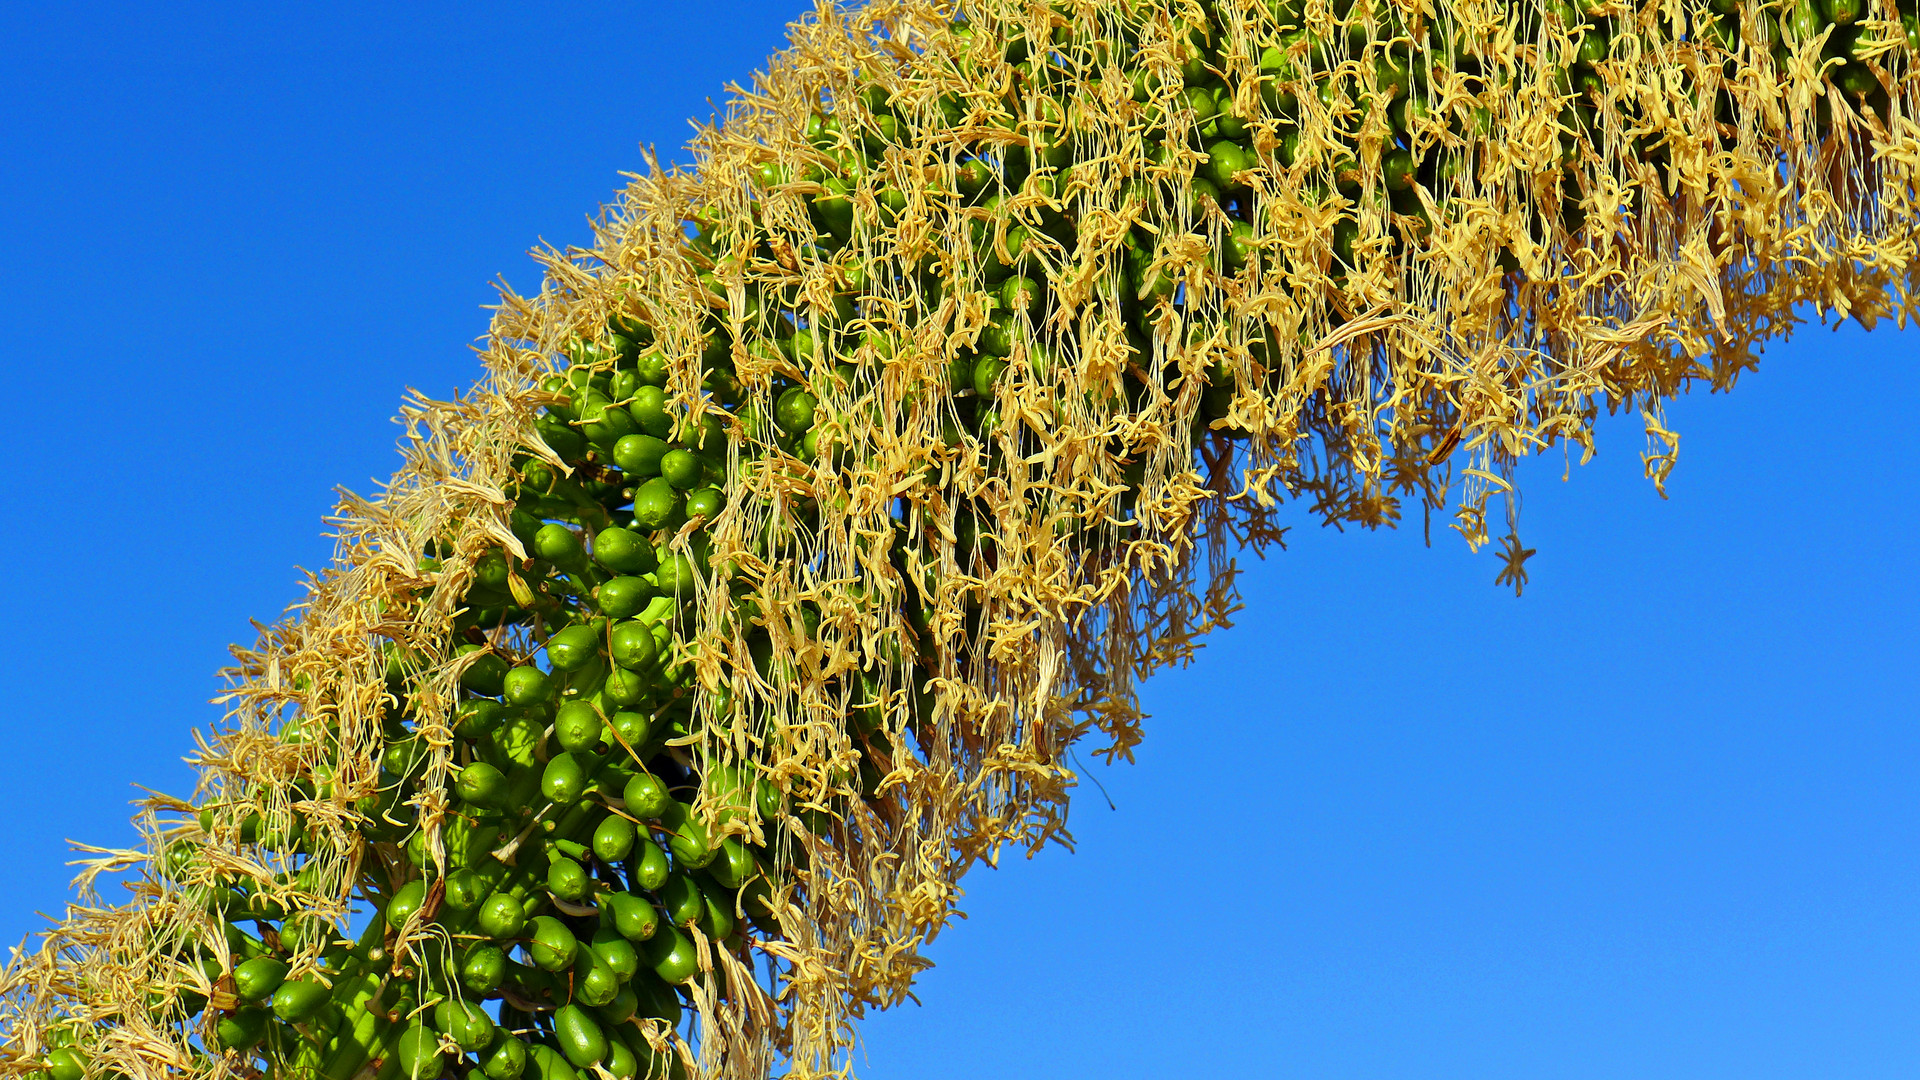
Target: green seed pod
x,y
258,978
481,784
483,968
632,645
565,778
502,917
406,902
577,727
634,917
526,686
673,955
573,648
646,796
625,597
300,1000
631,729
613,839
649,864
552,946
465,890
466,1023
507,1060
418,1052
655,504
682,900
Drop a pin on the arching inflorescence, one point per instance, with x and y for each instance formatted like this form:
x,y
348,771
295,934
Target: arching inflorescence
x,y
806,521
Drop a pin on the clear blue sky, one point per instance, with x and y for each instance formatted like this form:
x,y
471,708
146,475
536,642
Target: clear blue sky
x,y
1656,819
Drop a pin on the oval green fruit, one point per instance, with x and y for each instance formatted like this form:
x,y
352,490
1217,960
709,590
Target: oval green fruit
x,y
623,551
465,889
625,687
484,674
405,903
673,956
418,1052
613,839
634,917
502,917
646,796
565,779
682,900
546,1063
527,685
631,728
632,645
573,648
639,455
481,784
615,951
507,1060
483,968
579,1036
66,1063
568,880
655,504
552,946
473,718
560,546
577,727
300,999
625,597
258,978
618,1011
241,1030
648,864
681,468
734,866
466,1023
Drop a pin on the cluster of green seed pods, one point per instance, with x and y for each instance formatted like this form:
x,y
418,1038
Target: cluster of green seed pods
x,y
542,895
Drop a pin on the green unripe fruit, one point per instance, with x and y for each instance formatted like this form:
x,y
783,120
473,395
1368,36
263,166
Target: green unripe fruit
x,y
502,917
546,1063
619,1011
560,546
474,718
616,952
707,502
568,880
1225,162
527,685
579,1037
631,729
681,468
673,956
634,917
241,1030
483,968
682,900
483,675
418,1051
577,727
552,946
258,978
649,864
507,1060
299,1000
464,889
986,375
594,983
465,1022
675,576
405,903
623,551
625,597
646,796
565,779
613,839
573,648
625,687
793,413
632,645
66,1063
639,455
734,866
717,919
481,784
655,504
649,409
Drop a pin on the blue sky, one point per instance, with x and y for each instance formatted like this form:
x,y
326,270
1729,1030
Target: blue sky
x,y
1654,819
